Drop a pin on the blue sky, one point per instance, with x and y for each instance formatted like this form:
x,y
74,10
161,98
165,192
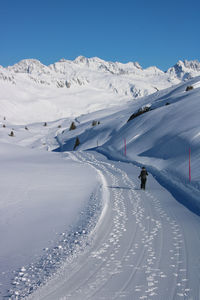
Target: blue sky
x,y
150,32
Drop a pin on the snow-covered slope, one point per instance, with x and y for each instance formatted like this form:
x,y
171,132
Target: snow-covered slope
x,y
74,224
160,138
33,92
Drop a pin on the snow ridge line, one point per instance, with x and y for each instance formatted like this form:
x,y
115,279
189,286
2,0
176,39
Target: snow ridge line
x,y
105,195
105,200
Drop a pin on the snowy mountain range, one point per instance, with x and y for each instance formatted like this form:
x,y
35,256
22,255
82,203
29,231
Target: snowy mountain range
x,y
66,86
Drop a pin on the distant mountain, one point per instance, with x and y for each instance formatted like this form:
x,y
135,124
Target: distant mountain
x,y
68,88
185,70
125,79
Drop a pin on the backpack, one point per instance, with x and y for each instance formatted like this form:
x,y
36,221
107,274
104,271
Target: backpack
x,y
143,174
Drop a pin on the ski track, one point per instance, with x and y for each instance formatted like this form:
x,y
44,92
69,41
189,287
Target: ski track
x,y
117,266
147,261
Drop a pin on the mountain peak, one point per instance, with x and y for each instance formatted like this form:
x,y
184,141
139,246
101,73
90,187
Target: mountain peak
x,y
81,59
121,79
185,70
28,66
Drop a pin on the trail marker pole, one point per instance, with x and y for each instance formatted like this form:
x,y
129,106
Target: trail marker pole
x,y
125,147
189,165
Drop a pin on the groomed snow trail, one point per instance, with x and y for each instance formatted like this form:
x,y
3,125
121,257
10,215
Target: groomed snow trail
x,y
146,247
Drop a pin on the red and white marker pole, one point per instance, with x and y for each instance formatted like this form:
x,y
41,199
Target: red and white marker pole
x,y
125,147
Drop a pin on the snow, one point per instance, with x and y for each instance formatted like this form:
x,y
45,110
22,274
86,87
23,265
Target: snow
x,y
185,69
42,196
54,92
160,138
75,224
143,249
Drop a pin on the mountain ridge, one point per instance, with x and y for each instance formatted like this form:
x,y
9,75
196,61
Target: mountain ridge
x,y
69,88
66,73
84,61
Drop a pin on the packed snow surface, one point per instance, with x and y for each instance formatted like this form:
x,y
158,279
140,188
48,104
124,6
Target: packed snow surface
x,y
146,247
75,224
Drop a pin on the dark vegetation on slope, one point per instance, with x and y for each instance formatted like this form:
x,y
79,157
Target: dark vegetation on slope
x,y
139,112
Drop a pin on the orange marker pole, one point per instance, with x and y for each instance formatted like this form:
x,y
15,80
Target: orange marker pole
x,y
189,165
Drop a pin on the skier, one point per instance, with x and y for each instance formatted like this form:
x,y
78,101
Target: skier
x,y
143,176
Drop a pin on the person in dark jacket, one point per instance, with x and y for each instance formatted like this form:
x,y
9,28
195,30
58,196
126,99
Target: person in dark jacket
x,y
143,177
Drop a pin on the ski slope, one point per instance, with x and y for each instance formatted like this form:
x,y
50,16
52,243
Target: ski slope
x,y
145,248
